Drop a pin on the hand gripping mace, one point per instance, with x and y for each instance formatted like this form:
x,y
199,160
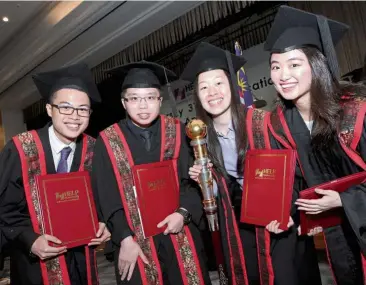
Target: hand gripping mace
x,y
196,130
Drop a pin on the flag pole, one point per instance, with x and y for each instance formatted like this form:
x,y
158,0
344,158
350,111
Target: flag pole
x,y
246,96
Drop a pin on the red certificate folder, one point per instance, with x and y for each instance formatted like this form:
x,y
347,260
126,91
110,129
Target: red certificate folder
x,y
67,206
268,186
157,194
332,217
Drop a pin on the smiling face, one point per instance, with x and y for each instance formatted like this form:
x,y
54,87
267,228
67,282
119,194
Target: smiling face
x,y
68,127
142,105
214,92
291,74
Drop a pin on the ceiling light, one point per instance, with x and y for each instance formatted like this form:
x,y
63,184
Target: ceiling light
x,y
5,19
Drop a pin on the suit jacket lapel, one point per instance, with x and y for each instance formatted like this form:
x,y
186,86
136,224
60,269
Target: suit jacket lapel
x,y
77,155
45,139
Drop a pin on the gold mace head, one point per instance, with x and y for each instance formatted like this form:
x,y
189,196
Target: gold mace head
x,y
196,129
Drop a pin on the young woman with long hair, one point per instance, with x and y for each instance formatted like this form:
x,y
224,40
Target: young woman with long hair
x,y
218,106
323,119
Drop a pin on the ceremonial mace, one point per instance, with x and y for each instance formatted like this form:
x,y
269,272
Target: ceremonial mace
x,y
196,130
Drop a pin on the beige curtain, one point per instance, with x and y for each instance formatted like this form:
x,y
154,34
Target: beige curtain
x,y
351,50
2,134
176,31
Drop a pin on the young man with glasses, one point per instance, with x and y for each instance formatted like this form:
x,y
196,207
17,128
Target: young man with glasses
x,y
62,147
175,256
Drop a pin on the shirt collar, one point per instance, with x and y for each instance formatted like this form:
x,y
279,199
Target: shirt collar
x,y
137,130
56,144
230,129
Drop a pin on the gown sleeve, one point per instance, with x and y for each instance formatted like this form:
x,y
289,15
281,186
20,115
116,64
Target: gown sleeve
x,y
354,200
190,198
15,221
107,194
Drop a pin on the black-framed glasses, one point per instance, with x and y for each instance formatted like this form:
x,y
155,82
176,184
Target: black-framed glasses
x,y
68,110
137,99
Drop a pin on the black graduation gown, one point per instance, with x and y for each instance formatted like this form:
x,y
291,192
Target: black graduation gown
x,y
106,188
15,219
294,257
246,232
345,242
292,249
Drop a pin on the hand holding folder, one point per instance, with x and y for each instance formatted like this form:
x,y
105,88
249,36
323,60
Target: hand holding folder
x,y
67,207
331,217
157,194
268,186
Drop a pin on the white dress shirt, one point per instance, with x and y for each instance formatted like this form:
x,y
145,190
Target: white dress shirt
x,y
230,155
309,125
57,146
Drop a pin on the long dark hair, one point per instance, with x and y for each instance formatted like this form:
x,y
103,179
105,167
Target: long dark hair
x,y
238,120
326,95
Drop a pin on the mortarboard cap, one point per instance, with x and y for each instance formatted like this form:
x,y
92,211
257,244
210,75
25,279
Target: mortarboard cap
x,y
294,28
209,57
77,76
143,74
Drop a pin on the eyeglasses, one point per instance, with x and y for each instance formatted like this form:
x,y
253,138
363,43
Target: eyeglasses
x,y
68,110
136,100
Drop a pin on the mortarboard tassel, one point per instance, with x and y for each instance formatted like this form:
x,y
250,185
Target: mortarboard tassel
x,y
328,46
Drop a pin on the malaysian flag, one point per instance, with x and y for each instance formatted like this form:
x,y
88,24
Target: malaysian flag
x,y
245,93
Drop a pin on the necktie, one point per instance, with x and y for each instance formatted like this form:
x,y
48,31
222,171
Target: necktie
x,y
62,164
147,138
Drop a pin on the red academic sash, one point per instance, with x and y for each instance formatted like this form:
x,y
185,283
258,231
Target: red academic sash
x,y
232,243
122,162
33,162
349,136
258,138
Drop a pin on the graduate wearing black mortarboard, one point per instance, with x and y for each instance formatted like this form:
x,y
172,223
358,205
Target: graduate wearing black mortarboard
x,y
324,120
175,256
218,105
59,147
